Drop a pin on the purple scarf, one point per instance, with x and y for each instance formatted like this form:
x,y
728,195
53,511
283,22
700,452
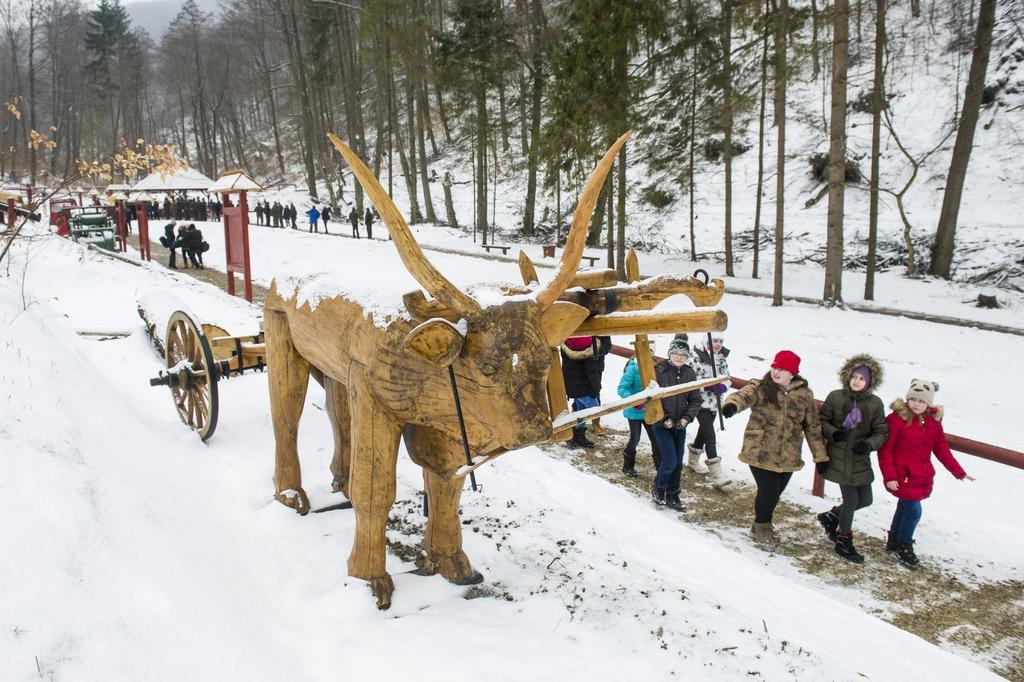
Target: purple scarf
x,y
852,418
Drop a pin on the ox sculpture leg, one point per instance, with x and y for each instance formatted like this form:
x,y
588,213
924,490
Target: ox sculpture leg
x,y
288,376
442,539
375,435
341,424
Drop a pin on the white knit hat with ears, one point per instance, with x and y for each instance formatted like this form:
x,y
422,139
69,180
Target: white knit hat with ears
x,y
922,390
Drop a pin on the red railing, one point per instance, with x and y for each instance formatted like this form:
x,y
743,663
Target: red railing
x,y
967,446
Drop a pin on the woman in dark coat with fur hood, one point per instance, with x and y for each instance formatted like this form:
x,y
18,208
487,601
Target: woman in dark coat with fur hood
x,y
853,424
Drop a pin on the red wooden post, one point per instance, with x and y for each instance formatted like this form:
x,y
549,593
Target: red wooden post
x,y
29,188
243,207
11,214
226,217
142,215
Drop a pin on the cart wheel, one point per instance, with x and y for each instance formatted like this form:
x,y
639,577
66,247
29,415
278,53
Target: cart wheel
x,y
195,397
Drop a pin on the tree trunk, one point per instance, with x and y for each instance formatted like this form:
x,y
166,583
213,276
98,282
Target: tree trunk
x,y
428,202
31,87
481,161
537,94
945,235
877,95
781,28
760,149
833,292
693,147
299,67
727,127
449,205
815,57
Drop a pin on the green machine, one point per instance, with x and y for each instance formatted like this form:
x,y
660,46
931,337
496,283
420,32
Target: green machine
x,y
92,224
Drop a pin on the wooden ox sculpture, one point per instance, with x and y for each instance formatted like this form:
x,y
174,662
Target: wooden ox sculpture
x,y
389,382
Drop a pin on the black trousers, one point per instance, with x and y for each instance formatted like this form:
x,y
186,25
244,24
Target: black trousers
x,y
854,497
634,439
705,437
770,485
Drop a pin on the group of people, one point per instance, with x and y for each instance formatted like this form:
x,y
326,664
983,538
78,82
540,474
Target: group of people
x,y
276,215
281,215
189,239
183,207
850,425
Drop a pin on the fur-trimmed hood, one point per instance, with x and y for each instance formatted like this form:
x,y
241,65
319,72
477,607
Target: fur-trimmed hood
x,y
584,354
852,363
900,407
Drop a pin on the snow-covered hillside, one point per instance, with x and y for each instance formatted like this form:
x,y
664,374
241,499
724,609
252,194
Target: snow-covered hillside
x,y
135,551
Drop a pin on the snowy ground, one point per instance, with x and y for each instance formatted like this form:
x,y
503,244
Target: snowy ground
x,y
138,552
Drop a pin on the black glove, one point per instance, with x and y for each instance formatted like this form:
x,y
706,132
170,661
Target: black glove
x,y
838,436
728,410
822,467
861,447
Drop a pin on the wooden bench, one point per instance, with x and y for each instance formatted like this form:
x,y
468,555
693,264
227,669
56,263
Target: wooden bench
x,y
592,260
504,249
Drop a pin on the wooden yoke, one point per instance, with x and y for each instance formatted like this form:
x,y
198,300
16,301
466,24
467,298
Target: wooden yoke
x,y
653,412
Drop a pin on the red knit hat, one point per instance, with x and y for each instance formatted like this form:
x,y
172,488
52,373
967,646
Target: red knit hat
x,y
787,360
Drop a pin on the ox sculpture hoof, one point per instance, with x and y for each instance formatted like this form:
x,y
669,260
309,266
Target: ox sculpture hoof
x,y
339,485
382,587
294,498
455,568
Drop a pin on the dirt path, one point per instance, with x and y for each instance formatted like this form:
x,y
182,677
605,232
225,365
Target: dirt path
x,y
979,619
208,274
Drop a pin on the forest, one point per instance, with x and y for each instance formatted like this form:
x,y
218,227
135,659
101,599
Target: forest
x,y
538,88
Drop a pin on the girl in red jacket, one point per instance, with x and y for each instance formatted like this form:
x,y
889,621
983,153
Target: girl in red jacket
x,y
915,432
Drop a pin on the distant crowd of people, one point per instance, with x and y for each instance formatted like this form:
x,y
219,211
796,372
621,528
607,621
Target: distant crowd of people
x,y
286,215
850,424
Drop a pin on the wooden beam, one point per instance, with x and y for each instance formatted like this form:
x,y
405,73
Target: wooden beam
x,y
653,323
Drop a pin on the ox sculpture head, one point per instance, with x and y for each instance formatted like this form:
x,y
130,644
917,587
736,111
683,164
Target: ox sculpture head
x,y
501,350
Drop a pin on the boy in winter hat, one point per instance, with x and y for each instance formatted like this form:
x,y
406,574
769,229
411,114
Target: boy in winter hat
x,y
670,433
679,345
915,433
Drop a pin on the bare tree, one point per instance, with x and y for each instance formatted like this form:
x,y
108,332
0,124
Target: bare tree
x,y
945,235
833,292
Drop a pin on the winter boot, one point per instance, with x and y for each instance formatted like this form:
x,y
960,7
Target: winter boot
x,y
672,500
718,480
845,548
830,522
905,553
658,495
579,437
629,465
595,426
763,533
693,461
890,541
